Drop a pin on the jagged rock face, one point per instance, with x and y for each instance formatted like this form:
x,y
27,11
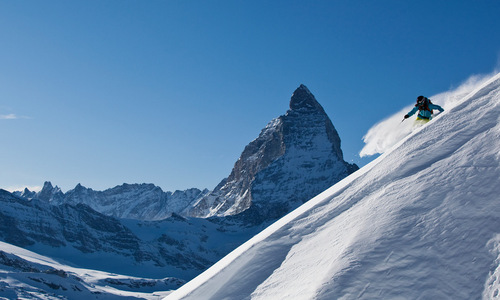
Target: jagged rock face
x,y
48,193
233,195
127,201
295,157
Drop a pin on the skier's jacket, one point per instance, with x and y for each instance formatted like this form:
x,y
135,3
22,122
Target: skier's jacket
x,y
425,112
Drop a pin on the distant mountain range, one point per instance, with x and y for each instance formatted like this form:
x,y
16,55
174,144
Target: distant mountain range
x,y
127,201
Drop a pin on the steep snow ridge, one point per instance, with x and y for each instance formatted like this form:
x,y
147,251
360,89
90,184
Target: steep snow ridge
x,y
421,221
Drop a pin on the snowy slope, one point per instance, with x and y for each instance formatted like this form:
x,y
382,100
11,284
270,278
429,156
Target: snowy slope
x,y
420,222
27,275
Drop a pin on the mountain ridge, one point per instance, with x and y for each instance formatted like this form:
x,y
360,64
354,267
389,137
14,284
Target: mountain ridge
x,y
144,201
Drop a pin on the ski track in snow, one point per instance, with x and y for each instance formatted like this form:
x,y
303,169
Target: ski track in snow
x,y
419,222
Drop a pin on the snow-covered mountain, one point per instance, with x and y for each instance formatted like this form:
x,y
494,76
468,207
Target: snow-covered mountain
x,y
295,157
27,275
127,201
77,234
422,221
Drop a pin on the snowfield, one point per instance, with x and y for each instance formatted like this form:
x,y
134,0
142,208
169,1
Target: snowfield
x,y
422,221
28,275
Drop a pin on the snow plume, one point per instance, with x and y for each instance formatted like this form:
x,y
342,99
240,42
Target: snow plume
x,y
385,134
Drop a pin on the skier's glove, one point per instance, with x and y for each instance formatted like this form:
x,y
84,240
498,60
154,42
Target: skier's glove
x,y
407,116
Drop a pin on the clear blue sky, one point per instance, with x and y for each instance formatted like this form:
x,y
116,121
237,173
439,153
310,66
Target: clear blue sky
x,y
169,92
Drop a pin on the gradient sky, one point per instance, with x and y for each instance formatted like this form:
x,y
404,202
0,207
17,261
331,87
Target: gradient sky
x,y
169,92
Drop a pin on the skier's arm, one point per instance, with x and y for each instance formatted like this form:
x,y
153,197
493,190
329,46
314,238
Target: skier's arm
x,y
413,111
435,106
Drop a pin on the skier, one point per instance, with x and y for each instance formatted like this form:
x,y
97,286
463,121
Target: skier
x,y
424,107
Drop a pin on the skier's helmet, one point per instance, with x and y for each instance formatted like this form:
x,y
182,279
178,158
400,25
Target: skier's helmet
x,y
420,99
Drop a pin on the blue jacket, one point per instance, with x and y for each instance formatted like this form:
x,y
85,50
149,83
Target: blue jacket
x,y
425,114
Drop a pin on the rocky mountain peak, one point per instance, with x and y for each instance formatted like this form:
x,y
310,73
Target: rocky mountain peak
x,y
49,192
128,201
79,187
295,157
47,185
303,99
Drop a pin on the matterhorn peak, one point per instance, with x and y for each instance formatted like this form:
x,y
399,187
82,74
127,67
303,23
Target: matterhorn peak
x,y
303,99
295,157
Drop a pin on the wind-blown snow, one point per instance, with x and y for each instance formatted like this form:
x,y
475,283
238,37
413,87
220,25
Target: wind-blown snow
x,y
422,221
385,134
